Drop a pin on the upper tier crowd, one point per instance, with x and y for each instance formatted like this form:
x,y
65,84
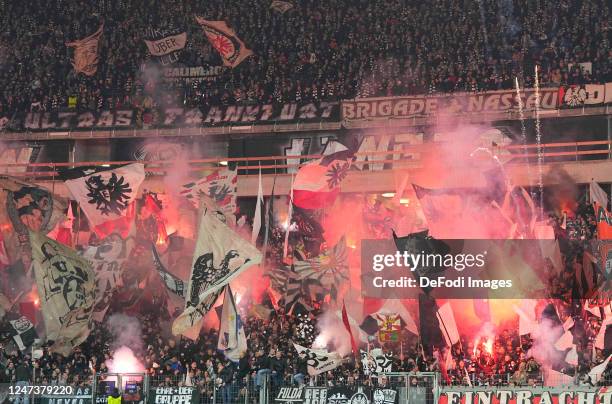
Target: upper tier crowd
x,y
318,50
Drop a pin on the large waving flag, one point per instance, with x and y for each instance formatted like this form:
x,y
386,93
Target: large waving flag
x,y
225,41
86,53
220,187
329,268
106,197
67,291
597,194
220,255
232,339
27,207
317,184
107,260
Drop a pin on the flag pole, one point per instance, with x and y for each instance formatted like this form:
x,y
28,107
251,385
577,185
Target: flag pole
x,y
289,216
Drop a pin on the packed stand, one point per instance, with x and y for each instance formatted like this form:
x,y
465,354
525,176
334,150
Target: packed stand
x,y
318,50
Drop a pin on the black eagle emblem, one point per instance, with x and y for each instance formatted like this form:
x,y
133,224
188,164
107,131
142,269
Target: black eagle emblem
x,y
109,197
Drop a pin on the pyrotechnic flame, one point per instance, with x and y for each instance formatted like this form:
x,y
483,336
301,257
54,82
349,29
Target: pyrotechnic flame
x,y
124,361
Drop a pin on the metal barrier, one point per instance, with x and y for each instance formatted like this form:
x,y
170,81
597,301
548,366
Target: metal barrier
x,y
515,154
408,387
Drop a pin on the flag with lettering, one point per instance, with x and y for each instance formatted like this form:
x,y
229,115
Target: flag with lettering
x,y
67,292
86,53
319,360
603,218
220,255
106,197
225,41
163,46
23,332
107,260
376,362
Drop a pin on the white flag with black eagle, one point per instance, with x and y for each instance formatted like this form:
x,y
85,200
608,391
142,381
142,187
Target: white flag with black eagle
x,y
232,339
319,360
23,332
105,196
220,255
67,291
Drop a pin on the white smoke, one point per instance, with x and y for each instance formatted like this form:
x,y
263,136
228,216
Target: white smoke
x,y
332,336
126,344
544,338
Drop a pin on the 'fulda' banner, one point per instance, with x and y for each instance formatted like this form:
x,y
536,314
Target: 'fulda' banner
x,y
575,395
337,395
181,117
174,395
463,103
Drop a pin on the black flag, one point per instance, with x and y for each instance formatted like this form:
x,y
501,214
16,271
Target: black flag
x,y
422,243
431,335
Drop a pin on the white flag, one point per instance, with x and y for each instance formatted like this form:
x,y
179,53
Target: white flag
x,y
448,326
319,360
67,291
105,196
572,356
232,339
597,371
220,255
220,187
566,341
376,362
257,218
598,194
107,261
600,342
527,322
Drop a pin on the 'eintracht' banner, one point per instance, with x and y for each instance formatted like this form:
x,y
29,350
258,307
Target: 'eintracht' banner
x,y
525,395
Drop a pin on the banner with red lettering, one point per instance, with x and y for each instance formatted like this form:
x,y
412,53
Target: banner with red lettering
x,y
534,395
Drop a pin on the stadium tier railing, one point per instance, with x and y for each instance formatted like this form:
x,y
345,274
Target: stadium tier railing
x,y
510,154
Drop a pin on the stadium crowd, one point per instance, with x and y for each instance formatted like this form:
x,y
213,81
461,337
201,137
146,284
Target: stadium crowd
x,y
503,358
318,50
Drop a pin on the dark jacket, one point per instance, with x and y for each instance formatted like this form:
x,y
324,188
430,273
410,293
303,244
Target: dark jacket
x,y
301,366
22,373
277,365
226,374
263,362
